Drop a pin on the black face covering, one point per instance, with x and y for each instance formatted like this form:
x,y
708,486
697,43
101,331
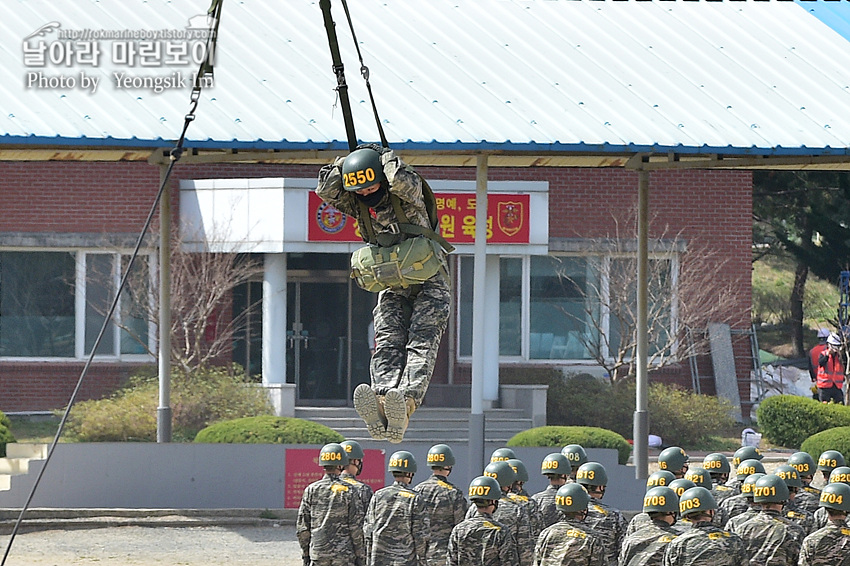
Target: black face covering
x,y
372,200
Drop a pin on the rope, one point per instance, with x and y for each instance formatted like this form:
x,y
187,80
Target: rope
x,y
174,156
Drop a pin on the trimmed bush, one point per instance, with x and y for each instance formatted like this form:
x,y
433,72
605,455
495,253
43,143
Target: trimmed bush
x,y
831,439
268,429
685,418
6,435
788,420
587,436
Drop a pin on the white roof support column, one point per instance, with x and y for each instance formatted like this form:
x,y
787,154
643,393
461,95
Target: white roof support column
x,y
163,411
479,321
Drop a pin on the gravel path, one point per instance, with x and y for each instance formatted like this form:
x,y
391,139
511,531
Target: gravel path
x,y
182,546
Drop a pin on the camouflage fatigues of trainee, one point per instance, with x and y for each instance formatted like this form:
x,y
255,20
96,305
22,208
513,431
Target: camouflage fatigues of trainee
x,y
396,528
821,519
329,525
733,522
446,506
706,545
771,539
733,506
610,525
808,499
363,490
721,492
799,516
735,485
481,541
545,499
638,522
569,542
532,511
829,546
408,322
515,518
646,546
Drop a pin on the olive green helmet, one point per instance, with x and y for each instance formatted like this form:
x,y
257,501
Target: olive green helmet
x,y
673,459
789,474
830,460
696,500
484,487
803,463
716,463
362,168
502,472
571,498
402,461
748,467
660,500
700,477
770,489
353,449
841,474
555,464
519,469
502,455
575,454
681,485
659,479
745,453
333,454
440,456
592,473
835,496
748,483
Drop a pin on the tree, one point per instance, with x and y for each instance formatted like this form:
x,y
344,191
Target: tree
x,y
686,291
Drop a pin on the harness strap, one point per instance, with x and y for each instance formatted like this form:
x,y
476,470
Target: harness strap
x,y
339,71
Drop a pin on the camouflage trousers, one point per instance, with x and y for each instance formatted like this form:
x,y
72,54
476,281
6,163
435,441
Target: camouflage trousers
x,y
408,326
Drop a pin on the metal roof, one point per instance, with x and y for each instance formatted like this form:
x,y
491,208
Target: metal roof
x,y
543,77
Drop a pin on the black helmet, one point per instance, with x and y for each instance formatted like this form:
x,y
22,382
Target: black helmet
x,y
835,496
502,455
362,168
555,463
770,489
803,462
748,467
502,472
592,473
575,454
681,485
746,453
830,460
789,474
353,449
519,469
659,478
440,456
696,500
333,454
700,477
673,459
484,487
748,484
841,474
716,463
660,500
571,498
402,461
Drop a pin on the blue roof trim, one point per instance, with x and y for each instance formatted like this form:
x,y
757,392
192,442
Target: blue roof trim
x,y
833,13
542,149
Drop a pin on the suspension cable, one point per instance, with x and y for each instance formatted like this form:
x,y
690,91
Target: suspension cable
x,y
205,68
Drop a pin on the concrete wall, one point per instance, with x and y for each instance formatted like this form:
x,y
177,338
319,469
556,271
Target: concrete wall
x,y
236,476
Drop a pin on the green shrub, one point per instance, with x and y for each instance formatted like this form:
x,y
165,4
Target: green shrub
x,y
197,400
832,439
788,420
6,437
587,436
685,418
268,429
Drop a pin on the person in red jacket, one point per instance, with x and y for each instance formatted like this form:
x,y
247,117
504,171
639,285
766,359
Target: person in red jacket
x,y
830,378
814,357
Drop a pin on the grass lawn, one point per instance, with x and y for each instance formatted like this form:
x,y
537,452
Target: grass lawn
x,y
34,429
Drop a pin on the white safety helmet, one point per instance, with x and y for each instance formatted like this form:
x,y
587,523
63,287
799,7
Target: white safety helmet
x,y
833,339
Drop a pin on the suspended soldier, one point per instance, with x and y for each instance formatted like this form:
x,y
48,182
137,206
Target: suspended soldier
x,y
570,540
329,526
556,467
444,503
607,521
481,540
646,547
388,199
830,546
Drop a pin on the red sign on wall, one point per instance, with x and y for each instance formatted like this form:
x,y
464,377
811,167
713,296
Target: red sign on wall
x,y
302,469
507,219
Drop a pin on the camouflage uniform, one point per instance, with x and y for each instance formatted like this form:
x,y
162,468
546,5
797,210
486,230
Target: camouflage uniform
x,y
799,516
514,517
706,545
408,322
638,522
329,525
445,505
363,490
733,522
829,546
771,539
735,485
569,543
546,504
808,498
481,541
646,546
532,512
396,528
821,519
722,492
734,505
610,526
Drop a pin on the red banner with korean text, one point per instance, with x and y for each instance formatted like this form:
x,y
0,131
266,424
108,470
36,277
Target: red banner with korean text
x,y
507,219
302,469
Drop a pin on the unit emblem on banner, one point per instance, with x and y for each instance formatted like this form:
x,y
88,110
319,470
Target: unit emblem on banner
x,y
510,217
330,219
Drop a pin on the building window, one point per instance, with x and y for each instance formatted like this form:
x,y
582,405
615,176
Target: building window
x,y
566,307
53,304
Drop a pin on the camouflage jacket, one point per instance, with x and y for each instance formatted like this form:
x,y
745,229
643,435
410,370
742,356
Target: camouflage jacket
x,y
771,540
514,517
829,546
610,525
363,490
481,541
545,499
733,522
735,485
445,505
329,526
821,519
532,511
706,545
646,546
722,492
638,522
569,543
799,516
733,506
808,499
396,528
